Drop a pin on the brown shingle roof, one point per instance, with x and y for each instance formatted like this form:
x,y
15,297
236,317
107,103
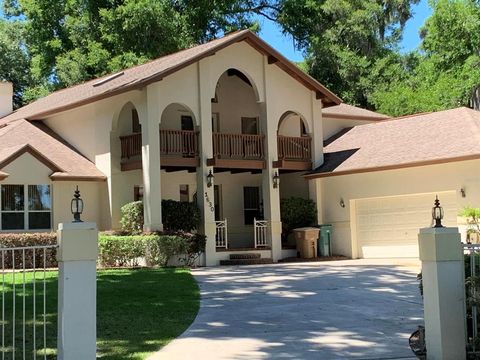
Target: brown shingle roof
x,y
345,111
139,76
444,136
22,136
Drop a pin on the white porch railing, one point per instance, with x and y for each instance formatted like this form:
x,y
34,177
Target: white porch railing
x,y
24,301
260,233
221,234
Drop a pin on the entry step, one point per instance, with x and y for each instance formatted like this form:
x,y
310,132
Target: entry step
x,y
256,261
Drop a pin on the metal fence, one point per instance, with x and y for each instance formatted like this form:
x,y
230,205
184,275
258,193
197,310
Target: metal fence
x,y
472,273
29,302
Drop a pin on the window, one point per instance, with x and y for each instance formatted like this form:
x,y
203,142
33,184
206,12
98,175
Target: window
x,y
136,126
184,194
250,125
187,123
25,207
251,204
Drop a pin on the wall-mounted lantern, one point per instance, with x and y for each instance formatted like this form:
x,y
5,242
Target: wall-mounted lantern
x,y
76,206
342,203
276,180
462,191
437,213
210,178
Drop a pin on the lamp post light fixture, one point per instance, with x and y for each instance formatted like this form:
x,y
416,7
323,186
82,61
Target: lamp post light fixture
x,y
77,206
210,178
276,180
437,213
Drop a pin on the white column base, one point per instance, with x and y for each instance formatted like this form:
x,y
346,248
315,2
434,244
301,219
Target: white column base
x,y
77,302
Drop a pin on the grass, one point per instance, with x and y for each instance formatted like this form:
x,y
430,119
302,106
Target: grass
x,y
138,311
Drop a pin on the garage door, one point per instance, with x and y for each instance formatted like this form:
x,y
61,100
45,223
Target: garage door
x,y
388,227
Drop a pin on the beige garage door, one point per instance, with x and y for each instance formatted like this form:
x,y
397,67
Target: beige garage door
x,y
388,227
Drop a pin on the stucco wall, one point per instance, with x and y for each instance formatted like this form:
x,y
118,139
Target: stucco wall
x,y
27,170
332,126
416,180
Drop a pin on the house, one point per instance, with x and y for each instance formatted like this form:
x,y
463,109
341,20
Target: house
x,y
234,126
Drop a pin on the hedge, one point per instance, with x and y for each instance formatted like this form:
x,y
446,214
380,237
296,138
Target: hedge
x,y
155,249
29,239
114,250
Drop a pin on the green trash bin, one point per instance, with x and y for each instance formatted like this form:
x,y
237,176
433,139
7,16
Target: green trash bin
x,y
324,246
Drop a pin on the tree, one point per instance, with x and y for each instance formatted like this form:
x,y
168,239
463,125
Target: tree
x,y
447,73
70,41
14,61
343,39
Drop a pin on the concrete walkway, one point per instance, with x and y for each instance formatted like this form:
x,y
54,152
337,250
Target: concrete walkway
x,y
332,310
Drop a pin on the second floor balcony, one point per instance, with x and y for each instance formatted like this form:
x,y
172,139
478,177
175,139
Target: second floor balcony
x,y
178,148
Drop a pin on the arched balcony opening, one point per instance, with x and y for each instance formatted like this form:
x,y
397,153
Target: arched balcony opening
x,y
238,142
294,143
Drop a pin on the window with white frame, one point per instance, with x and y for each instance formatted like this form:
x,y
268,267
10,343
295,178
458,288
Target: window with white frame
x,y
25,207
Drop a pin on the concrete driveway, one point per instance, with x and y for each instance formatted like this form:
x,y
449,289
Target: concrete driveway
x,y
331,310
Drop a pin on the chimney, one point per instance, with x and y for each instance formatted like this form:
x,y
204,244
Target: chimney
x,y
6,98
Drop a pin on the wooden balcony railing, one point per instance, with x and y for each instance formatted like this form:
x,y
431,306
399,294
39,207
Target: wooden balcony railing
x,y
179,142
238,146
172,142
294,148
131,145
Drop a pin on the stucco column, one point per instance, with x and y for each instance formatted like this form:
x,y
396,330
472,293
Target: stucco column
x,y
152,190
271,196
205,194
315,194
317,131
77,290
443,277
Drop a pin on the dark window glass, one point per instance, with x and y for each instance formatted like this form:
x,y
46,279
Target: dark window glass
x,y
39,197
138,193
251,204
136,126
39,220
13,197
184,193
13,221
187,123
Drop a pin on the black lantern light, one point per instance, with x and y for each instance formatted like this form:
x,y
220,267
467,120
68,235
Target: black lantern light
x,y
276,180
77,206
437,213
210,179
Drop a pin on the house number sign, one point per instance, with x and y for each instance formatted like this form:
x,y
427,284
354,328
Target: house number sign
x,y
212,208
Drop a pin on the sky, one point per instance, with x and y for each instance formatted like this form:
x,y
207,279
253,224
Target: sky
x,y
272,33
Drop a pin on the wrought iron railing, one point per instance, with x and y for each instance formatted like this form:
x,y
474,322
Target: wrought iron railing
x,y
25,295
221,234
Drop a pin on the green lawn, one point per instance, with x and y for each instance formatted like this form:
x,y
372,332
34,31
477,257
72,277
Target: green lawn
x,y
138,311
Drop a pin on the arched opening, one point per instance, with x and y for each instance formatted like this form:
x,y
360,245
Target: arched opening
x,y
236,123
235,109
292,124
294,142
178,137
177,117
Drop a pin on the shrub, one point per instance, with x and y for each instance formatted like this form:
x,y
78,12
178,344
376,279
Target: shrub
x,y
180,216
132,217
116,251
176,216
156,249
29,239
297,212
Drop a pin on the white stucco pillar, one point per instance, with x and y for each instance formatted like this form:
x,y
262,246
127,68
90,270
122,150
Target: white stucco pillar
x,y
271,195
315,194
205,194
152,189
77,290
317,131
443,277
